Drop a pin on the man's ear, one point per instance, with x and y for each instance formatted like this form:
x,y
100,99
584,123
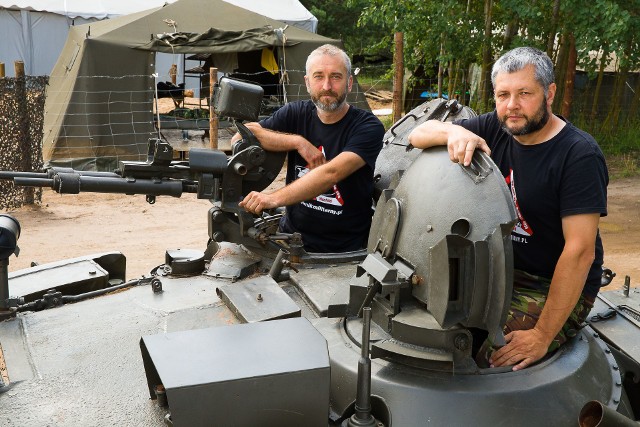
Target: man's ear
x,y
551,94
350,84
306,83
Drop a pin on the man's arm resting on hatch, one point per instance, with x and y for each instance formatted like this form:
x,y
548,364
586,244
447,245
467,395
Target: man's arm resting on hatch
x,y
278,141
527,346
460,142
314,183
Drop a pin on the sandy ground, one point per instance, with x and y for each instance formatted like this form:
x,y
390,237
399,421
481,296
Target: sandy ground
x,y
66,226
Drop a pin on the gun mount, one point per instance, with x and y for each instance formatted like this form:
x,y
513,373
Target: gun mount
x,y
434,279
210,174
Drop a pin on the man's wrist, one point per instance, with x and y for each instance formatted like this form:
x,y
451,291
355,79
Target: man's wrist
x,y
546,336
299,143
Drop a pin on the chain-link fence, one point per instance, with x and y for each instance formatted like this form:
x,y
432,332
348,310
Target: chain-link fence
x,y
21,116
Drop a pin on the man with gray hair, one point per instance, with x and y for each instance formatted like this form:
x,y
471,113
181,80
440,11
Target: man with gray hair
x,y
332,149
558,180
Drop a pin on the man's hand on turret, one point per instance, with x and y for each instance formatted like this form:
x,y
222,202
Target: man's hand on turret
x,y
523,348
462,143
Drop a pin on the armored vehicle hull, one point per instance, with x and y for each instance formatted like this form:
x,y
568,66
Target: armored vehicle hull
x,y
256,331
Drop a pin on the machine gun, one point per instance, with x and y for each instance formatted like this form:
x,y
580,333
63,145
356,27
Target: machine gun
x,y
211,174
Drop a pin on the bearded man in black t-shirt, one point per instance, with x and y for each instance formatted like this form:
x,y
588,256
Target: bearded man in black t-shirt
x,y
332,148
558,180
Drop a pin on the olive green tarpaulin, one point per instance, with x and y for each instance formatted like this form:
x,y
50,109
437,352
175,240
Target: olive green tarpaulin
x,y
100,98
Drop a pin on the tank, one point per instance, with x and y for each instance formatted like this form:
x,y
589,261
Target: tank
x,y
253,330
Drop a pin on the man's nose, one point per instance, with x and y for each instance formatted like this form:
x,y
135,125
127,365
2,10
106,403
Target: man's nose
x,y
326,84
513,102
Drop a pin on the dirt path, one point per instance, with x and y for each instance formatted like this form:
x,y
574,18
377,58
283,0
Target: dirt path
x,y
620,231
66,226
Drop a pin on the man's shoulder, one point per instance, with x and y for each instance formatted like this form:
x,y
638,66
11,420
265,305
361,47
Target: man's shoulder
x,y
573,131
579,139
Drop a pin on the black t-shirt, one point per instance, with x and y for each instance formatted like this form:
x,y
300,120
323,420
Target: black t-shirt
x,y
338,220
566,175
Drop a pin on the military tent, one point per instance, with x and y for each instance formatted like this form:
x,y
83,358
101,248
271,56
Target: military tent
x,y
100,101
34,31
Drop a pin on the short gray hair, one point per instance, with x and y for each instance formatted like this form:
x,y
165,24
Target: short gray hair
x,y
518,58
331,50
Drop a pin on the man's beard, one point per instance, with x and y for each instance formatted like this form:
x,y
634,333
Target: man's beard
x,y
329,107
531,125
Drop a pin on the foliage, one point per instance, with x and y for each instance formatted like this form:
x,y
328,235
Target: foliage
x,y
444,38
339,20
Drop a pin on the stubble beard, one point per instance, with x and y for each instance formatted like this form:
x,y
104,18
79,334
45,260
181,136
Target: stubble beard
x,y
329,107
534,124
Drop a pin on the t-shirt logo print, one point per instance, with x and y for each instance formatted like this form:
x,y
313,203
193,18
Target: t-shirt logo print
x,y
522,227
333,198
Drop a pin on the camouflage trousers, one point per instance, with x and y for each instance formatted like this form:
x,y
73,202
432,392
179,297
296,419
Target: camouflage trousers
x,y
528,299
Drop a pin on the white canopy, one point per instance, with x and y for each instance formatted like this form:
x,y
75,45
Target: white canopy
x,y
98,9
34,31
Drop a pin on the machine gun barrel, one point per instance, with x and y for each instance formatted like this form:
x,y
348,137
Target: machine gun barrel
x,y
33,181
50,173
73,183
14,174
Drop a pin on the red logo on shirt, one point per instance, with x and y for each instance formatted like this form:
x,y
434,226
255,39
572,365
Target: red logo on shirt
x,y
522,227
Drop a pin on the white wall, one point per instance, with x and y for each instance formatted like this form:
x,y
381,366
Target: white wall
x,y
37,38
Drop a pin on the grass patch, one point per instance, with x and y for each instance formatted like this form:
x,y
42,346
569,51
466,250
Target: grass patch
x,y
621,146
387,121
623,165
377,78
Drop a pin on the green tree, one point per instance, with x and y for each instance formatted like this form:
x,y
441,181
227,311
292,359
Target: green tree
x,y
339,20
444,38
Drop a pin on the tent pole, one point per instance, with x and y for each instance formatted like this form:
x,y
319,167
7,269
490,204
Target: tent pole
x,y
213,117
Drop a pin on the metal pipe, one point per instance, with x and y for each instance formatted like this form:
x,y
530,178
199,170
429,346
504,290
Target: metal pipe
x,y
98,292
33,182
595,414
278,264
4,284
362,416
40,304
627,286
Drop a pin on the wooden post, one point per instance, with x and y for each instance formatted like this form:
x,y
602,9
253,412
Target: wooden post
x,y
18,66
213,117
1,69
398,75
173,73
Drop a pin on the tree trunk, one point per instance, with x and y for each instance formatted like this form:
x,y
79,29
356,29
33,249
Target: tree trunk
x,y
485,78
632,113
596,96
551,37
509,33
453,79
570,76
612,120
561,70
440,66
